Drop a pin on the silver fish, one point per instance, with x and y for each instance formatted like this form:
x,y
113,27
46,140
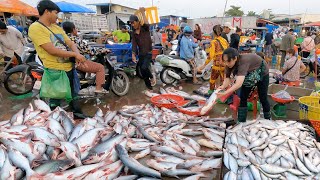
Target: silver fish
x,y
54,166
20,161
134,165
41,105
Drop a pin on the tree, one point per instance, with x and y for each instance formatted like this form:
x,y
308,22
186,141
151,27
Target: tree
x,y
252,13
234,11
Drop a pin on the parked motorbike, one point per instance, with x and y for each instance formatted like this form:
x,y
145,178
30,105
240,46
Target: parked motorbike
x,y
176,69
310,67
21,79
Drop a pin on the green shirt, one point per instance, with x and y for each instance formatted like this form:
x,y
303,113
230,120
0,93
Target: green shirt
x,y
122,37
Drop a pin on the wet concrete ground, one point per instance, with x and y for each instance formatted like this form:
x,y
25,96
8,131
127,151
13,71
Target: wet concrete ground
x,y
10,104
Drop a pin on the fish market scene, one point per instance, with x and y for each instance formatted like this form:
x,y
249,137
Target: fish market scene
x,y
159,89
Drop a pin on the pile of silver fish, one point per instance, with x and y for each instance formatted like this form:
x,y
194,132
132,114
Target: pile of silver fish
x,y
37,143
267,149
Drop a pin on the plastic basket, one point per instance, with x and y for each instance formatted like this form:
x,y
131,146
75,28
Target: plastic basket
x,y
317,84
191,113
309,108
282,101
174,99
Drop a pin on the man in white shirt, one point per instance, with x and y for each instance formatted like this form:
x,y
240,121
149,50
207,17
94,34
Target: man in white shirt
x,y
11,43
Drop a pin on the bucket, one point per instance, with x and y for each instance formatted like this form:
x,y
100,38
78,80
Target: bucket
x,y
155,53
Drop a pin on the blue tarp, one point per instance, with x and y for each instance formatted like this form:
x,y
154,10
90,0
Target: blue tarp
x,y
73,8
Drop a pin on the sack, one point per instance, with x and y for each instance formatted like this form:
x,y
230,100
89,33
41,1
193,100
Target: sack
x,y
55,84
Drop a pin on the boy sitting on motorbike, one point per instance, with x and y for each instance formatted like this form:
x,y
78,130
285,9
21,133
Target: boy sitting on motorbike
x,y
187,51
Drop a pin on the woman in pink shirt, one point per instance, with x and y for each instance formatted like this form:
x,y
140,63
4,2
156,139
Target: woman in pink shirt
x,y
307,45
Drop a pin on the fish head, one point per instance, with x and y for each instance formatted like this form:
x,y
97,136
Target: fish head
x,y
91,158
66,164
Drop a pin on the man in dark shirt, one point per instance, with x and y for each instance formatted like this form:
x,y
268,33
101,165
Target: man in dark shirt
x,y
269,41
141,39
171,33
235,39
226,30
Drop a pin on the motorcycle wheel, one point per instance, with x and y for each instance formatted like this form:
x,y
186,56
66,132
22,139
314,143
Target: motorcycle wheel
x,y
15,84
306,72
120,83
206,76
164,76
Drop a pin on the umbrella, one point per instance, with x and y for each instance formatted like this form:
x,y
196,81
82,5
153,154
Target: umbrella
x,y
73,8
9,6
27,10
17,7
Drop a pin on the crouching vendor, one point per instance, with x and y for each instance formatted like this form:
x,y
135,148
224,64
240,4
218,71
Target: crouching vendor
x,y
250,71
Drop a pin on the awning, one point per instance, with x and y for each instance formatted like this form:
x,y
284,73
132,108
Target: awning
x,y
312,24
67,7
124,19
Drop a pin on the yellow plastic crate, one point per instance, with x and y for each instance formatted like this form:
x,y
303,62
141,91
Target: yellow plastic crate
x,y
309,108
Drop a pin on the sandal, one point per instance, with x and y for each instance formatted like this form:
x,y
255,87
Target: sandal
x,y
103,91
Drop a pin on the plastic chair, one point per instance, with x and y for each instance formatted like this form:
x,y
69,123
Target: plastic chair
x,y
253,99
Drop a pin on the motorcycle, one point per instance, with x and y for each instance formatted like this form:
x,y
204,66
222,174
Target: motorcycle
x,y
310,67
176,69
21,79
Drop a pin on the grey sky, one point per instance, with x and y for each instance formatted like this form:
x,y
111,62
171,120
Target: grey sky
x,y
208,8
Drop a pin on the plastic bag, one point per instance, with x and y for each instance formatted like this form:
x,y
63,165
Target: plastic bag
x,y
55,84
283,95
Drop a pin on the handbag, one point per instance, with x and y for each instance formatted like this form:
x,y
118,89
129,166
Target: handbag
x,y
71,59
55,84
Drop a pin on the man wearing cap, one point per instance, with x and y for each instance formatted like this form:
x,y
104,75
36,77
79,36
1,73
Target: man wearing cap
x,y
122,36
226,30
141,39
11,43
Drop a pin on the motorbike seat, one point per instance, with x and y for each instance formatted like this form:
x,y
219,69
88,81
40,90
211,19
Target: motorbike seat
x,y
174,56
33,65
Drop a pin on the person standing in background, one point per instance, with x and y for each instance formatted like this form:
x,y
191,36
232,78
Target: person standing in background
x,y
269,41
197,32
235,39
171,33
226,30
157,37
287,42
11,43
307,45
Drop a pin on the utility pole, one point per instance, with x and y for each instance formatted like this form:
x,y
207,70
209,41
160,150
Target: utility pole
x,y
224,11
289,12
109,17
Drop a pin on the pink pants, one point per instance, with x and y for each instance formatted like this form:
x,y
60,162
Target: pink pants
x,y
93,67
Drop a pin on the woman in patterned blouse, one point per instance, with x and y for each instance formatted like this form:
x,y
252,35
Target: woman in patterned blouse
x,y
88,66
